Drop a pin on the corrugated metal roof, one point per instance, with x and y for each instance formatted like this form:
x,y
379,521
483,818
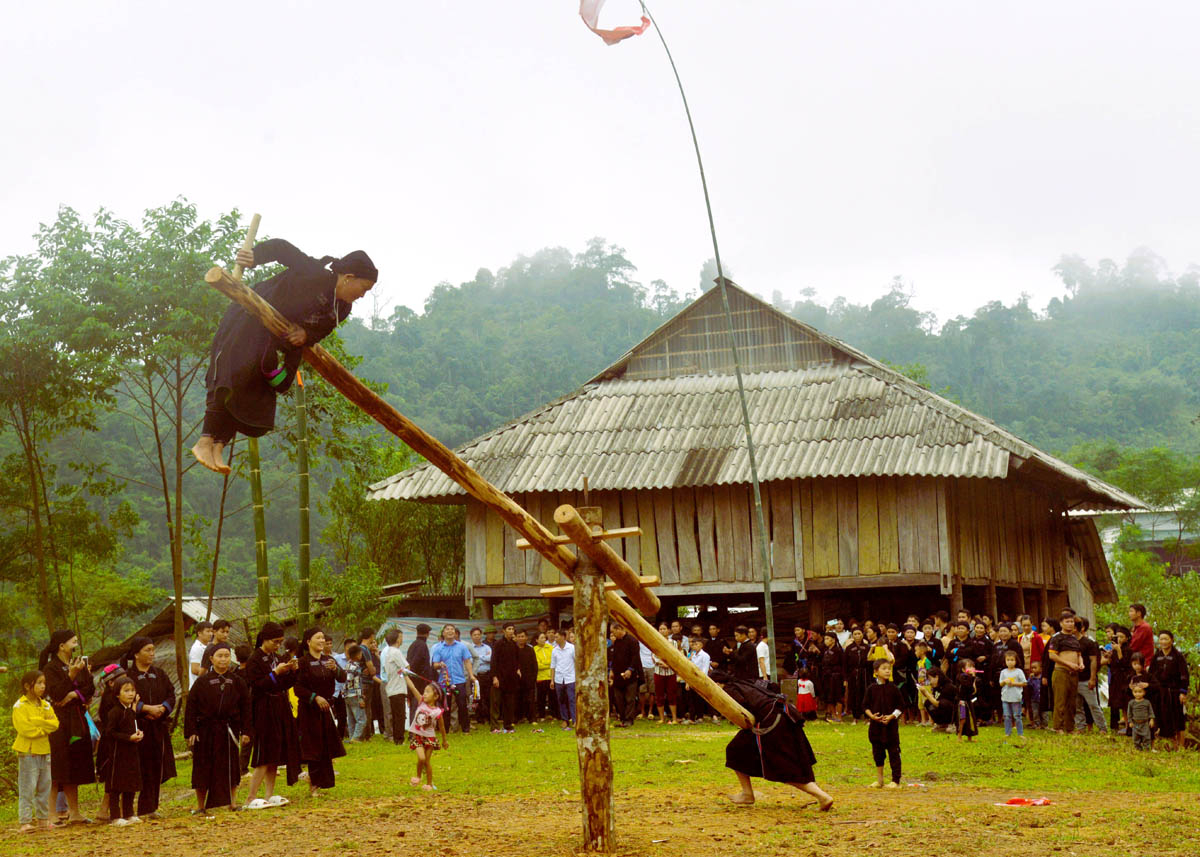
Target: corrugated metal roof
x,y
850,417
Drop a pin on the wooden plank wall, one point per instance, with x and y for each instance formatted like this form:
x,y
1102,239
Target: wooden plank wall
x,y
977,529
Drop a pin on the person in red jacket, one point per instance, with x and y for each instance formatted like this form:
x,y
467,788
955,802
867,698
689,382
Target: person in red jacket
x,y
1142,639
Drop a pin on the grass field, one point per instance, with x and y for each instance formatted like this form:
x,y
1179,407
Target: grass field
x,y
518,794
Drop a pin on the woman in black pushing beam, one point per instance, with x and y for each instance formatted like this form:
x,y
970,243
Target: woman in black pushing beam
x,y
245,372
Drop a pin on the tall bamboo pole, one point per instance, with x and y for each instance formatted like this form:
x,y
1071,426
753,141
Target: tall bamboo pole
x,y
764,550
260,533
302,462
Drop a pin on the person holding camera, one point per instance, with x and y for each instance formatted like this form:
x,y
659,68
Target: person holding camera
x,y
69,688
270,676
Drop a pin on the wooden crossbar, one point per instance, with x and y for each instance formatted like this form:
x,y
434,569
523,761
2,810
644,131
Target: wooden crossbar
x,y
607,535
440,456
609,561
567,589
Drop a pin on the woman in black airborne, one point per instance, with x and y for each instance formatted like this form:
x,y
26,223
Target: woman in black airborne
x,y
245,372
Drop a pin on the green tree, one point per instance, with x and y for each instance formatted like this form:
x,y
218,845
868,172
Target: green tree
x,y
160,318
54,376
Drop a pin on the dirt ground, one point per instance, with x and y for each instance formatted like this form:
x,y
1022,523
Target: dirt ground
x,y
667,822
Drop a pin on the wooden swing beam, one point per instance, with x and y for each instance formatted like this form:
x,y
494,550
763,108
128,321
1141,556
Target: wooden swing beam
x,y
441,457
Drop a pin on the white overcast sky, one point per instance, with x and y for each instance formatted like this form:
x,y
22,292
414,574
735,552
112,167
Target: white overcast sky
x,y
961,145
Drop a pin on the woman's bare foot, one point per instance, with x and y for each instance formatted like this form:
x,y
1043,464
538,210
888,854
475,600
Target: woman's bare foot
x,y
825,807
219,458
414,781
203,451
742,799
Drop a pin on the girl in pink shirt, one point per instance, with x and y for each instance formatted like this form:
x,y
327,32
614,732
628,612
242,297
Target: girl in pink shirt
x,y
426,726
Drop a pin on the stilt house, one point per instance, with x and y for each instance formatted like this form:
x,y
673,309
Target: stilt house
x,y
879,496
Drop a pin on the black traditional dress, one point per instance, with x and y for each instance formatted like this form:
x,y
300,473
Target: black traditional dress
x,y
244,354
902,672
71,744
858,674
1119,673
104,747
155,753
124,770
832,688
320,742
1171,671
273,724
776,748
218,713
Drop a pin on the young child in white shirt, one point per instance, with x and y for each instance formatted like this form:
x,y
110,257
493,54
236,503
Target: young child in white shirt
x,y
1012,694
695,709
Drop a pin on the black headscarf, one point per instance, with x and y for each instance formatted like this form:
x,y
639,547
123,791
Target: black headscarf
x,y
269,631
308,635
358,264
135,646
56,639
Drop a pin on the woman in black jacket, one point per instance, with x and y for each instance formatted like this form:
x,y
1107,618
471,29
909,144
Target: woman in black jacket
x,y
833,678
155,705
217,724
245,375
1170,667
69,688
320,741
858,669
270,676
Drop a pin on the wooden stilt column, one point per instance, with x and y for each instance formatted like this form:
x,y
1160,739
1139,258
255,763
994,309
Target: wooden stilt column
x,y
990,604
1043,605
1021,609
956,597
591,697
816,612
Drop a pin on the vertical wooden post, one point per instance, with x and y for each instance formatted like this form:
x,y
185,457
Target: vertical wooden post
x,y
990,604
591,697
1021,609
488,608
816,612
956,597
1043,605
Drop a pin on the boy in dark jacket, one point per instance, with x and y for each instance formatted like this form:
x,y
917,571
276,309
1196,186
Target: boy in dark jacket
x,y
883,705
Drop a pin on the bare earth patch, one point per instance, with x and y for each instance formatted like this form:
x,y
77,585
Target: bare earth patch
x,y
668,822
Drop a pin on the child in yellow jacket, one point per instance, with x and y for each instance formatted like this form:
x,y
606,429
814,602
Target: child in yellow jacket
x,y
33,720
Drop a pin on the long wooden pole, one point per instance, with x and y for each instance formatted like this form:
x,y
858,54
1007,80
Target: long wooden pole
x,y
441,457
661,646
591,699
572,524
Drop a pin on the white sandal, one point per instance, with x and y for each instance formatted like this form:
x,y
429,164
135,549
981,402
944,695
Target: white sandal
x,y
277,800
257,803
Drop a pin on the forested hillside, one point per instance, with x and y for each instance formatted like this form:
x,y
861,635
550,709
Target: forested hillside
x,y
1115,357
104,342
